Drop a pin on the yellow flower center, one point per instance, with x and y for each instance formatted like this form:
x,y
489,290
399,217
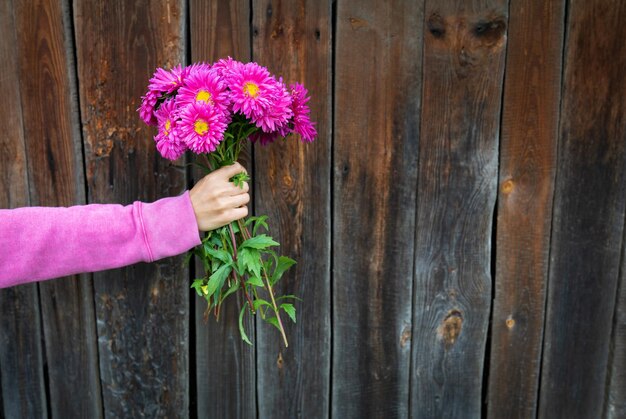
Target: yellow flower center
x,y
251,89
201,127
168,126
203,96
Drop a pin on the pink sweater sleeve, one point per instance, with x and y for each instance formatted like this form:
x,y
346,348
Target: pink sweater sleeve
x,y
39,243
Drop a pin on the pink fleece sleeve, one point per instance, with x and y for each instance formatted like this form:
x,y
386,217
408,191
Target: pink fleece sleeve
x,y
39,243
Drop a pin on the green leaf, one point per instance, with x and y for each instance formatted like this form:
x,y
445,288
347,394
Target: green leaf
x,y
260,302
197,285
259,242
274,321
241,329
255,280
240,178
249,132
260,222
215,241
290,310
283,264
219,254
233,287
251,260
216,281
235,227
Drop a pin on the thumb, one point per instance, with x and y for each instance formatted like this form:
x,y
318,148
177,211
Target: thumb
x,y
229,171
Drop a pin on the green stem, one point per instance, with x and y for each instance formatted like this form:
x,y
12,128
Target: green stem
x,y
243,285
269,289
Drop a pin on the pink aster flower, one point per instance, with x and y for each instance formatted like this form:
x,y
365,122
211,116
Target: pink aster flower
x,y
168,80
252,89
225,66
204,85
302,124
146,110
168,141
195,67
278,113
201,127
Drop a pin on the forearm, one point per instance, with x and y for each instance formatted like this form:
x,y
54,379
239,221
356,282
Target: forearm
x,y
39,243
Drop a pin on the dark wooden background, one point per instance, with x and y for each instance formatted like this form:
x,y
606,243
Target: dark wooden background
x,y
459,223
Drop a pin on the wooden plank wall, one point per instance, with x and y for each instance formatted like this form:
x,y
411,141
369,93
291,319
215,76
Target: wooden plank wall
x,y
21,352
220,29
458,224
464,49
588,220
142,311
293,39
377,99
528,150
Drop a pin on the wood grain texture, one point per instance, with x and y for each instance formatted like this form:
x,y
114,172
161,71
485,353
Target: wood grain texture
x,y
220,29
21,357
528,151
142,311
13,170
21,354
55,169
615,396
464,45
588,215
292,184
377,103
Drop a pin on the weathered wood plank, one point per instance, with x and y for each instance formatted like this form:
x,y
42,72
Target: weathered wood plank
x,y
292,184
588,215
377,102
21,353
21,357
56,178
225,365
527,168
464,48
1,401
13,170
615,397
142,311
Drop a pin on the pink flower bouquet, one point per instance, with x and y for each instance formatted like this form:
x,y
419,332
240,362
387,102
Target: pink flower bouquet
x,y
213,110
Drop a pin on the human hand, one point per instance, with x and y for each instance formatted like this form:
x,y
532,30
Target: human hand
x,y
216,201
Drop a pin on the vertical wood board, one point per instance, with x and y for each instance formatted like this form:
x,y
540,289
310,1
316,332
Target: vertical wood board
x,y
292,186
378,65
21,354
225,365
142,310
615,396
464,49
527,169
588,215
55,169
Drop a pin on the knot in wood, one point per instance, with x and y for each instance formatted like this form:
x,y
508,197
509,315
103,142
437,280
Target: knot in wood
x,y
510,323
450,328
405,337
279,361
507,187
